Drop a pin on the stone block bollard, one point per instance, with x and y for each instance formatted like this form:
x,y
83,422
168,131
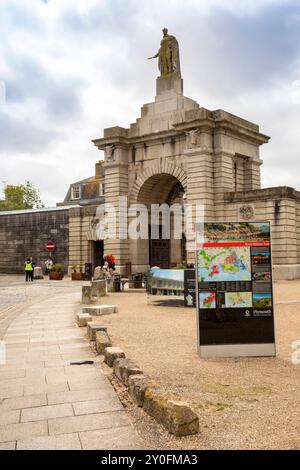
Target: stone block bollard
x,y
99,274
98,310
110,284
124,368
102,342
137,385
86,297
177,417
38,273
98,288
83,319
92,329
111,354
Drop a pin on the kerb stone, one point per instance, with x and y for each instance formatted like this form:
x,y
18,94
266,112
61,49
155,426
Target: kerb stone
x,y
102,342
92,329
124,368
111,354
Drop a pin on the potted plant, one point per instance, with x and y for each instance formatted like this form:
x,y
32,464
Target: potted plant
x,y
77,274
57,272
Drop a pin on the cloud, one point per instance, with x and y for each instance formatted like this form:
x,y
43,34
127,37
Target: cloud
x,y
72,68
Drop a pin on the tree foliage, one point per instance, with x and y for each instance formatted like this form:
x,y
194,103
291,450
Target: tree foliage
x,y
24,196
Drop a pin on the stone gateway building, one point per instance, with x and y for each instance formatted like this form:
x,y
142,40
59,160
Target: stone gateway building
x,y
177,151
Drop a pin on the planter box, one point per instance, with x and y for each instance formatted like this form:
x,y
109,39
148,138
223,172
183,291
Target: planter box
x,y
56,276
78,276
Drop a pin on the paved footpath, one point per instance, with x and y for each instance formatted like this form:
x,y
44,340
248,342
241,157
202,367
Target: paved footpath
x,y
46,403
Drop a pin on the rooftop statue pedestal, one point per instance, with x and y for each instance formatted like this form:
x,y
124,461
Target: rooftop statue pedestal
x,y
172,82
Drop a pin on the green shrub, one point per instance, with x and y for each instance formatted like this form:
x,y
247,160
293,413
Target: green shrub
x,y
57,267
77,268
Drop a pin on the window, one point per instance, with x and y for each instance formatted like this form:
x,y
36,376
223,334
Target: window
x,y
101,189
76,192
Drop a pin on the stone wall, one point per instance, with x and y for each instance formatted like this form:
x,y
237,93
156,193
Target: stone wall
x,y
281,207
82,224
25,233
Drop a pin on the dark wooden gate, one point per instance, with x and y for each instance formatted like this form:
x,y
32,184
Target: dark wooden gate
x,y
159,251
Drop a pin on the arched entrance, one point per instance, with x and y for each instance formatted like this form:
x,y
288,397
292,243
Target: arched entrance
x,y
161,249
95,245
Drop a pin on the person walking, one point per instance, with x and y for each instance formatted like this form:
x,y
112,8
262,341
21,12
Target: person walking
x,y
28,270
48,264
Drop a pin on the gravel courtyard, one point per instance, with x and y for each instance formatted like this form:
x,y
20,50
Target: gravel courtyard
x,y
248,403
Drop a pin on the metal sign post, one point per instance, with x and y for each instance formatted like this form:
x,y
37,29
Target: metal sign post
x,y
234,289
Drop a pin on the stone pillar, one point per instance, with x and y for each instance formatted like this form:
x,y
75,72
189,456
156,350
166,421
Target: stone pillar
x,y
223,173
75,236
116,186
284,232
200,188
252,174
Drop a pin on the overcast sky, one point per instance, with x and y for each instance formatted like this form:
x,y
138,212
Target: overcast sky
x,y
73,67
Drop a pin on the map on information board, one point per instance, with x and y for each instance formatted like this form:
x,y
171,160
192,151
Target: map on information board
x,y
207,299
238,299
224,264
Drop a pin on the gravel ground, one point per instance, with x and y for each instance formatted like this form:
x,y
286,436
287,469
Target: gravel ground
x,y
247,403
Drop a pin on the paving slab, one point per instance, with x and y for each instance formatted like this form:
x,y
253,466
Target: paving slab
x,y
88,422
10,392
46,412
24,402
9,417
62,442
14,432
99,382
12,374
124,438
79,396
46,388
22,382
97,406
8,445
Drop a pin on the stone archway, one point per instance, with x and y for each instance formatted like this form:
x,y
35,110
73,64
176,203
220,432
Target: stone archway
x,y
157,169
162,188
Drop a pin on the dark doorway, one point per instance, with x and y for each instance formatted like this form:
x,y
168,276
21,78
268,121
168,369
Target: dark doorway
x,y
97,253
159,251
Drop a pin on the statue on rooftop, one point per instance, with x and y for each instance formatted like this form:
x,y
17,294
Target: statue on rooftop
x,y
168,55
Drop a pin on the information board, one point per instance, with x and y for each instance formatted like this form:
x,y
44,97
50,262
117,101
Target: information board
x,y
234,289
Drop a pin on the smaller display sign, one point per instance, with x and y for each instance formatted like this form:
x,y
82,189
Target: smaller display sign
x,y
165,282
88,271
189,288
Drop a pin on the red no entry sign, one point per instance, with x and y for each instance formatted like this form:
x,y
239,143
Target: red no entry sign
x,y
50,246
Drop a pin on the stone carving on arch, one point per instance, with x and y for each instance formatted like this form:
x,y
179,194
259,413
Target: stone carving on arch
x,y
91,235
157,168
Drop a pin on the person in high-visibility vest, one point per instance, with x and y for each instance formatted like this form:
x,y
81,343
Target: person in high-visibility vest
x,y
28,270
